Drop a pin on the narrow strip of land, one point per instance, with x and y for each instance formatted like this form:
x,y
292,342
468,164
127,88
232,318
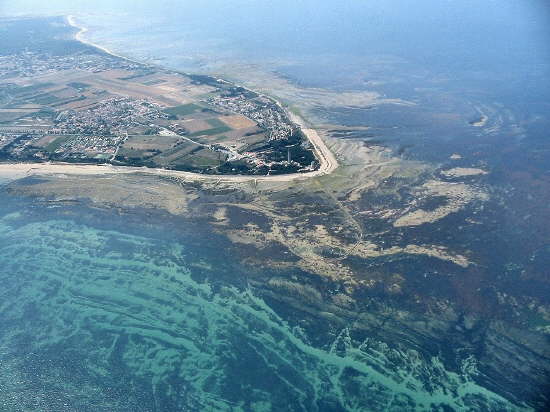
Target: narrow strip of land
x,y
80,37
327,162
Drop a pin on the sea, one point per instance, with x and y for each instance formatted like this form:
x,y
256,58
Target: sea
x,y
142,311
117,312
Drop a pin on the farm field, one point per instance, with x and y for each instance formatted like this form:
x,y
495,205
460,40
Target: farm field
x,y
93,107
140,118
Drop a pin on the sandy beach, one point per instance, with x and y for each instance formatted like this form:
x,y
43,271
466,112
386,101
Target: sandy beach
x,y
80,37
327,160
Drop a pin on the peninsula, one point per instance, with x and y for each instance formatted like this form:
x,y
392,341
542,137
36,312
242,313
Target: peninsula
x,y
69,106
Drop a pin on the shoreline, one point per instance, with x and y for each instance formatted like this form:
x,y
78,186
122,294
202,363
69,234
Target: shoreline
x,y
70,19
327,160
15,171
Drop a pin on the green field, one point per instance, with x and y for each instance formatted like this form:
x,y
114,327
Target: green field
x,y
153,82
33,87
6,117
67,101
254,142
137,75
56,144
211,132
215,122
44,98
145,146
198,157
182,110
131,153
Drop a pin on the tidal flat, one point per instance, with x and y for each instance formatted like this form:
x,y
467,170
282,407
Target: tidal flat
x,y
327,291
405,279
137,309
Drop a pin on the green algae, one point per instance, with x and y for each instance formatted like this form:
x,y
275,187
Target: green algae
x,y
101,320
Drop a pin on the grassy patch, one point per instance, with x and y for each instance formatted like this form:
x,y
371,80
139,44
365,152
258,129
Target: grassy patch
x,y
67,101
132,153
198,157
56,144
33,88
182,110
215,122
150,143
137,75
153,82
44,98
45,112
211,132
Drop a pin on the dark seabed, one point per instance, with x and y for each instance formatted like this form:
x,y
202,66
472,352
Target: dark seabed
x,y
141,311
101,312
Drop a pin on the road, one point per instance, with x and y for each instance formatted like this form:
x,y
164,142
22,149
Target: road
x,y
328,164
327,160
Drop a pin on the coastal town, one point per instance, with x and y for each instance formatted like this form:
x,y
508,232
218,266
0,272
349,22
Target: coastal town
x,y
28,64
83,105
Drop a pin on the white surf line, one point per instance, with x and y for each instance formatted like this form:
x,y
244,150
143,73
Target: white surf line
x,y
79,36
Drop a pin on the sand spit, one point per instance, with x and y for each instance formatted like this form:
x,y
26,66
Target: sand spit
x,y
482,121
80,37
463,171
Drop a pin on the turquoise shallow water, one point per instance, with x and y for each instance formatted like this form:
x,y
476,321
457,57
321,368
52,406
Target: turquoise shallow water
x,y
109,316
95,319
